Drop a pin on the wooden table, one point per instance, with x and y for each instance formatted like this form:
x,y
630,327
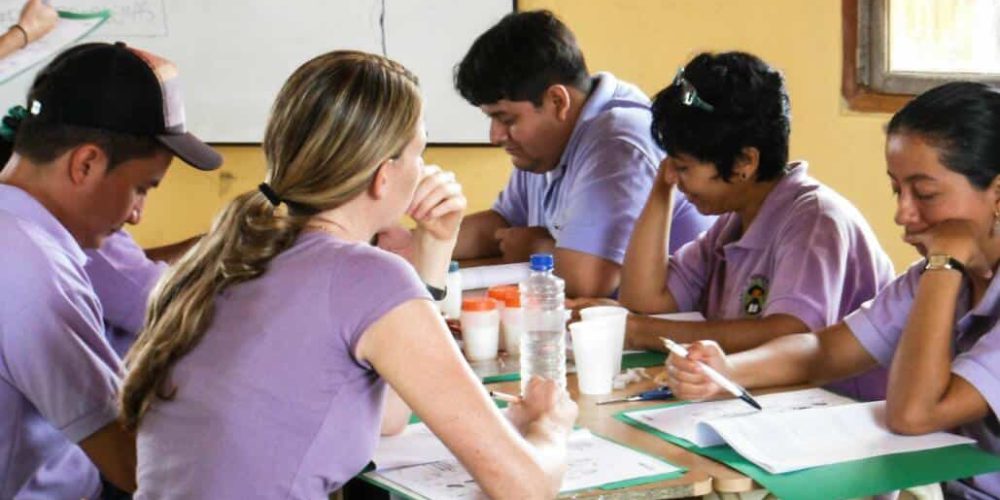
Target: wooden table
x,y
702,477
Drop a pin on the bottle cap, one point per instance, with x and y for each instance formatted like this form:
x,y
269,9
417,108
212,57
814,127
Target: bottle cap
x,y
479,304
453,266
509,295
541,262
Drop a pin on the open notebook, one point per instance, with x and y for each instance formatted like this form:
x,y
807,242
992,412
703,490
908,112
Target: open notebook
x,y
797,430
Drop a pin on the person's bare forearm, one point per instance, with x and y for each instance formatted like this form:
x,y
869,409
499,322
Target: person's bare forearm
x,y
644,271
920,374
549,448
431,258
732,335
476,237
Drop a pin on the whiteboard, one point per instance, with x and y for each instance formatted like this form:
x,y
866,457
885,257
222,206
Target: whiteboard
x,y
234,55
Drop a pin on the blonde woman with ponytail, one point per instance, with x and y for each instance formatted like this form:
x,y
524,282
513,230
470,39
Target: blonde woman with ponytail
x,y
262,368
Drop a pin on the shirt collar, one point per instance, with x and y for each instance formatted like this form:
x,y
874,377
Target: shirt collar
x,y
774,208
602,91
22,205
989,305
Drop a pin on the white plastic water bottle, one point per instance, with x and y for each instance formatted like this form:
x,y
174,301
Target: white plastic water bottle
x,y
451,304
543,344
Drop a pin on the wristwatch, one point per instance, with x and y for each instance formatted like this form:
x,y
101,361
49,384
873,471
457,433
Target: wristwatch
x,y
437,293
943,261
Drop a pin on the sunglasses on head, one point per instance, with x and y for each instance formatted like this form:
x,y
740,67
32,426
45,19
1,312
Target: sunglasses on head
x,y
689,94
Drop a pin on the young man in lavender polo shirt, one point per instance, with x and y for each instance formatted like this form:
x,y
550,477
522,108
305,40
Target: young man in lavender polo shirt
x,y
101,127
581,147
787,254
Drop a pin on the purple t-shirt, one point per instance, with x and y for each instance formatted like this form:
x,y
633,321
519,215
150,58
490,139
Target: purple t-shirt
x,y
590,202
272,403
58,375
122,277
809,254
878,326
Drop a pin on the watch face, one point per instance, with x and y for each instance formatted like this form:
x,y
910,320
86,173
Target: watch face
x,y
937,260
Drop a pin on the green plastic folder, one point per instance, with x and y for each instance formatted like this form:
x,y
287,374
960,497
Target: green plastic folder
x,y
853,479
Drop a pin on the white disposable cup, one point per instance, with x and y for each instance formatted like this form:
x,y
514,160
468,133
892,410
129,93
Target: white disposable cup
x,y
619,317
512,323
593,353
480,334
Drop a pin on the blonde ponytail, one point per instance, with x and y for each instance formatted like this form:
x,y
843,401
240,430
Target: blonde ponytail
x,y
335,120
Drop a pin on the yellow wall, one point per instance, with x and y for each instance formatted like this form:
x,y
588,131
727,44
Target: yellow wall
x,y
642,41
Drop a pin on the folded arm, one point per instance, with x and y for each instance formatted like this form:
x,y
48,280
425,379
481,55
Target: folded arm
x,y
644,272
476,238
733,335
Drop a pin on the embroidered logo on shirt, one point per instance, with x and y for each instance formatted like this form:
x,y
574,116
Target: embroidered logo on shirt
x,y
756,296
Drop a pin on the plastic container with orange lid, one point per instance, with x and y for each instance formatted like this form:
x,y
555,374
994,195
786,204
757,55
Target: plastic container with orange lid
x,y
480,328
511,317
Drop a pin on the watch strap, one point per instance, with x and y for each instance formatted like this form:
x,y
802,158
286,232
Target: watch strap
x,y
944,262
437,293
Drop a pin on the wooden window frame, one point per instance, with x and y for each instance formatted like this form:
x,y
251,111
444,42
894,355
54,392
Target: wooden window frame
x,y
859,96
866,85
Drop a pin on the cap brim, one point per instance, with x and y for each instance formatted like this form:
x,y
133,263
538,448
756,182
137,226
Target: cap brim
x,y
190,149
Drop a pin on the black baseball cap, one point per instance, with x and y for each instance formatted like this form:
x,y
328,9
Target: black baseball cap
x,y
120,89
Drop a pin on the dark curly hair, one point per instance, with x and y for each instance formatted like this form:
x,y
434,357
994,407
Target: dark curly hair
x,y
519,58
749,108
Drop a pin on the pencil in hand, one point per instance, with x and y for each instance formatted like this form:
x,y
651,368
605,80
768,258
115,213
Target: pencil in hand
x,y
730,386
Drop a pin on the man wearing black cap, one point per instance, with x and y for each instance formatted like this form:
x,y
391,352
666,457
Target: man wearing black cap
x,y
101,126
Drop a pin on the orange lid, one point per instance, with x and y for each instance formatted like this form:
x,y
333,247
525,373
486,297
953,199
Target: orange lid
x,y
478,304
510,295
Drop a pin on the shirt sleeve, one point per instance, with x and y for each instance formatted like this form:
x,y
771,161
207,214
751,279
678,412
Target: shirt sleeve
x,y
609,191
370,287
122,278
980,366
878,324
811,265
56,353
512,204
689,267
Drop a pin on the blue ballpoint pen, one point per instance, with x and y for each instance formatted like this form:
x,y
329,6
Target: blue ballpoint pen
x,y
650,395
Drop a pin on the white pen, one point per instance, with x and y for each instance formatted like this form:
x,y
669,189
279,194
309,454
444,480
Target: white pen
x,y
503,396
716,377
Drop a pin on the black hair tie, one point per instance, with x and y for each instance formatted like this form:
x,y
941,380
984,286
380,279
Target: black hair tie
x,y
269,194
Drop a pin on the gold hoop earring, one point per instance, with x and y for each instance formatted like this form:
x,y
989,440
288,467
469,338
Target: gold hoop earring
x,y
995,231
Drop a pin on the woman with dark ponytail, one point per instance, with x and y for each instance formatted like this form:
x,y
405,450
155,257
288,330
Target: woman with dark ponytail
x,y
936,326
262,367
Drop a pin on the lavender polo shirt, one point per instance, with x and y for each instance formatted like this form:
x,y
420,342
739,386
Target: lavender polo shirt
x,y
58,375
589,203
809,254
122,277
272,402
878,326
